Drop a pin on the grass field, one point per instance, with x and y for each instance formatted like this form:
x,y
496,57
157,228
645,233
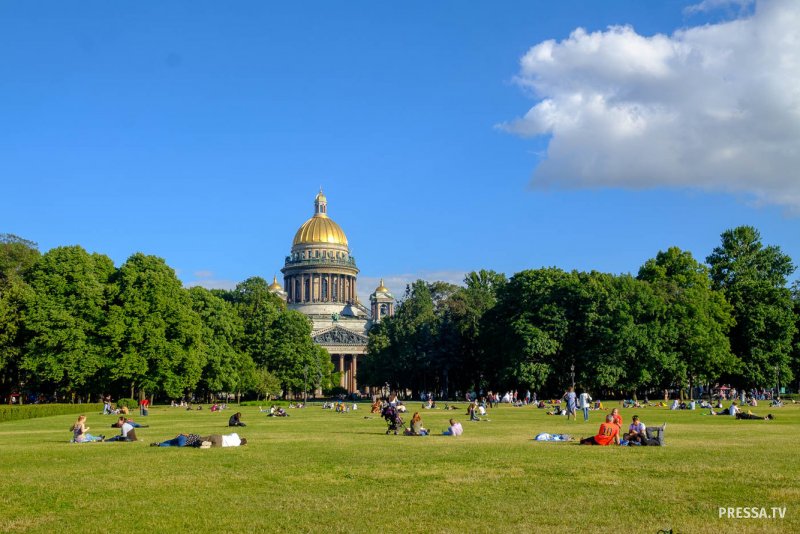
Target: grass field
x,y
318,471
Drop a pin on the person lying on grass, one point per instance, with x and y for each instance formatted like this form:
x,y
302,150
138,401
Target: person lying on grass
x,y
80,432
768,417
220,440
122,420
608,434
181,440
126,432
733,410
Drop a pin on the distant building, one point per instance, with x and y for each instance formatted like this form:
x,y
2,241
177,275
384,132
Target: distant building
x,y
319,278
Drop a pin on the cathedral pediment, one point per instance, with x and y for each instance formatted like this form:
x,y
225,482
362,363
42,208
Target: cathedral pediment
x,y
339,336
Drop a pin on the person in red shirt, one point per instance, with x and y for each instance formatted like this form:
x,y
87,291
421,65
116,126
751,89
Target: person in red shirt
x,y
608,433
617,417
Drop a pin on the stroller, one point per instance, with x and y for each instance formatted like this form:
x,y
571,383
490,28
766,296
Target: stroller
x,y
393,420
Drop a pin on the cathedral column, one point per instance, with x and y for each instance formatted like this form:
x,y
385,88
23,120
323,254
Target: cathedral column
x,y
341,370
353,367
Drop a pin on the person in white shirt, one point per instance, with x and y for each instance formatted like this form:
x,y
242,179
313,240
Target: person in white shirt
x,y
585,401
637,432
455,429
218,440
127,433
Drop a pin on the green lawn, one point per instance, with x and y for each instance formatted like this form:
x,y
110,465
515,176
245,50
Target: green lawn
x,y
318,471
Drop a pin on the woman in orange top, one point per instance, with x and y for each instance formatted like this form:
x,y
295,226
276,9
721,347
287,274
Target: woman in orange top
x,y
617,417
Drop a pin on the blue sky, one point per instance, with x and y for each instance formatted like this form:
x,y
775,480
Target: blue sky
x,y
448,136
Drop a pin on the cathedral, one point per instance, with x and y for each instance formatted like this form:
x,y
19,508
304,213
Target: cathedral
x,y
319,280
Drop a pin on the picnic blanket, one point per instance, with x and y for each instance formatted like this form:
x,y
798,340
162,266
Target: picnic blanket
x,y
544,436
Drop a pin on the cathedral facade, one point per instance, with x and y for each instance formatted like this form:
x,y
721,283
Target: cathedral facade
x,y
319,281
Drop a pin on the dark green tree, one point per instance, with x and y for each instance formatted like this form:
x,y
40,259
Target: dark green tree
x,y
753,278
524,333
460,332
155,336
258,309
293,357
67,349
227,368
697,319
795,359
17,256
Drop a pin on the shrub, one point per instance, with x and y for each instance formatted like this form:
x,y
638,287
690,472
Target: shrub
x,y
32,411
131,404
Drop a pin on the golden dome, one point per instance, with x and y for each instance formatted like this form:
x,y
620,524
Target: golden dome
x,y
275,286
381,288
320,228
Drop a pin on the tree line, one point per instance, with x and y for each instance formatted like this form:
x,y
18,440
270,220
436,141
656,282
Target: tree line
x,y
72,325
677,324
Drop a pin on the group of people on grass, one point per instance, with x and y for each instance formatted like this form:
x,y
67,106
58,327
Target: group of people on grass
x,y
127,433
737,412
638,433
416,428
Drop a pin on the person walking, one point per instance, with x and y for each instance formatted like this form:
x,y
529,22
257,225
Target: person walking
x,y
571,399
585,402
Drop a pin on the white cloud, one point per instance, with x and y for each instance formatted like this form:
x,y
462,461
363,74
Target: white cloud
x,y
710,5
714,107
213,284
203,274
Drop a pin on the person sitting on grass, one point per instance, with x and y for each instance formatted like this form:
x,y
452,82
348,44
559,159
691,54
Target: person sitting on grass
x,y
617,418
455,429
236,420
126,433
748,415
416,426
637,432
80,432
608,434
181,440
220,440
